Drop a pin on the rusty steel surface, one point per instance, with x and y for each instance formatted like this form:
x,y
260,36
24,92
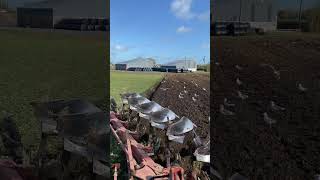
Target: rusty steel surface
x,y
141,165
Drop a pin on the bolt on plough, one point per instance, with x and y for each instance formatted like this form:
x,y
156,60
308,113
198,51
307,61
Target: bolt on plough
x,y
140,142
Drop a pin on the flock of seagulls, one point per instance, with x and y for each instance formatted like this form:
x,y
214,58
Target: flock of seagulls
x,y
223,108
184,92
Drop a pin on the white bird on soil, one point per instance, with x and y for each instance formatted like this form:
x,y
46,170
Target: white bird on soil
x,y
238,81
276,107
181,96
196,95
164,89
267,119
185,91
204,89
239,67
242,96
275,72
225,111
226,103
194,99
301,88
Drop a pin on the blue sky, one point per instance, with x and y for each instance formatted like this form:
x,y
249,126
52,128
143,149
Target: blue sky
x,y
163,29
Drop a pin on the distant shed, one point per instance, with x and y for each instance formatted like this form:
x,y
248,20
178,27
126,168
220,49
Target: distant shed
x,y
35,17
190,65
258,13
47,13
136,63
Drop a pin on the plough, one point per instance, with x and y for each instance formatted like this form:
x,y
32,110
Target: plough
x,y
82,131
82,127
139,157
140,164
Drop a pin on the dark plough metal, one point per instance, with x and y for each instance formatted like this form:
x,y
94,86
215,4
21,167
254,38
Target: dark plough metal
x,y
159,118
202,153
136,101
147,108
162,116
176,131
82,126
127,96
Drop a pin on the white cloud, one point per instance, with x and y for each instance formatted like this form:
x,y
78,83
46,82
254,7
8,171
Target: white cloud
x,y
120,48
182,9
183,29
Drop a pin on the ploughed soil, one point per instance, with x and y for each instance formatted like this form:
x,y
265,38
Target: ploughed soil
x,y
193,103
244,143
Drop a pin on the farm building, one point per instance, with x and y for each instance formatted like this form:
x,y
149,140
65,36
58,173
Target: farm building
x,y
136,63
48,13
258,13
190,65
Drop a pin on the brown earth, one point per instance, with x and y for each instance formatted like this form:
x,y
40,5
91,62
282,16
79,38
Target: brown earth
x,y
167,95
245,143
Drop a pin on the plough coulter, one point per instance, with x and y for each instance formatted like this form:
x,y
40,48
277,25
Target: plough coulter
x,y
128,126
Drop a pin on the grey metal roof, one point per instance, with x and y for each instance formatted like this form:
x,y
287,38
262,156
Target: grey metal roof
x,y
139,62
182,64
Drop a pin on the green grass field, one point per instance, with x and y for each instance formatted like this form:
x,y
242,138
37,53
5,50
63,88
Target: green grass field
x,y
140,82
122,82
38,65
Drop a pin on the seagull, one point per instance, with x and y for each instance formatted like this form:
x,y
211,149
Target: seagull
x,y
194,99
277,74
225,102
238,82
301,88
181,96
267,119
184,87
196,84
276,107
225,111
242,96
239,67
164,89
196,95
185,91
204,89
